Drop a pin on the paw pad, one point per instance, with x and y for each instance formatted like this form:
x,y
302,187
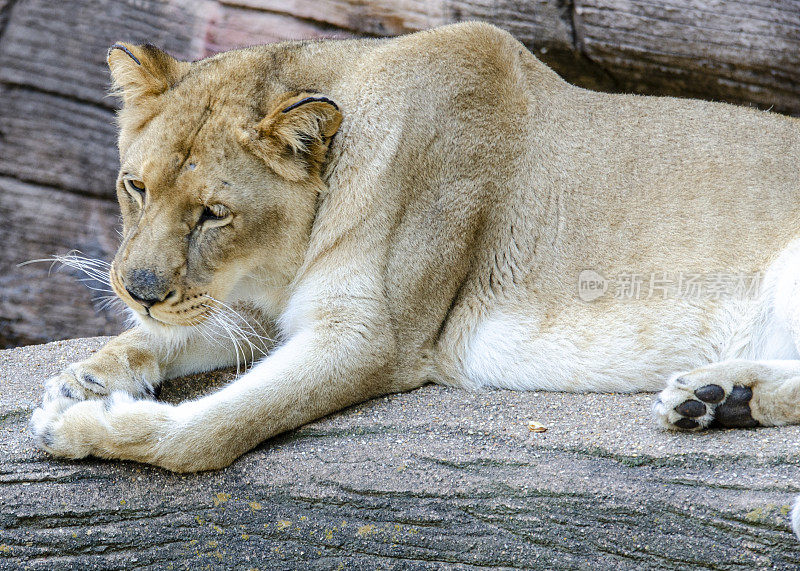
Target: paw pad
x,y
688,403
735,411
710,393
686,423
691,408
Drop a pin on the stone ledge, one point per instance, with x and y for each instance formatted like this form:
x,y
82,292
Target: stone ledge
x,y
434,478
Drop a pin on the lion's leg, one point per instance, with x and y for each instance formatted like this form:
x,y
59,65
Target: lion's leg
x,y
337,353
735,394
136,363
762,387
307,377
79,402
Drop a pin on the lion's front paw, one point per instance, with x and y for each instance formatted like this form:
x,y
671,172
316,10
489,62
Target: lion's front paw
x,y
82,381
116,427
64,427
693,401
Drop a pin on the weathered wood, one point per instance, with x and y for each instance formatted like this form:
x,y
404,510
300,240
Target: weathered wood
x,y
375,17
738,51
234,27
61,47
57,141
56,120
436,478
36,304
5,6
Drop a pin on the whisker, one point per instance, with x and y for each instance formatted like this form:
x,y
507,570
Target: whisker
x,y
97,275
108,302
246,336
265,337
214,319
93,268
240,337
239,330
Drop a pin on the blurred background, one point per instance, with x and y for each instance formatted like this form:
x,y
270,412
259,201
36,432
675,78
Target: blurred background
x,y
58,158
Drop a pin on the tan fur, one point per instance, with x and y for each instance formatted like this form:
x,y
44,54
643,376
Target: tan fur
x,y
425,219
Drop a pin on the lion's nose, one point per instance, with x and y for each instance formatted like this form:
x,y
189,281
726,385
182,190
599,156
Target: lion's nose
x,y
144,301
146,287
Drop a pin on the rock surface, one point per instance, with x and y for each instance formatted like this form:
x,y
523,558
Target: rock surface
x,y
434,478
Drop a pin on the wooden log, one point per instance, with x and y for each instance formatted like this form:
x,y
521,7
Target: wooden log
x,y
435,478
375,17
36,304
738,51
233,27
60,47
57,141
56,121
4,11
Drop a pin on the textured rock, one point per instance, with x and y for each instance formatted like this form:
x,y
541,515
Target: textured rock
x,y
434,478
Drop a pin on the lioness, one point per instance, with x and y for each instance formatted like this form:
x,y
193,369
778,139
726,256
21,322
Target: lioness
x,y
423,209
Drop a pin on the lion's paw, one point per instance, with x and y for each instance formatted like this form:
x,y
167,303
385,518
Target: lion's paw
x,y
696,400
795,517
82,381
115,427
65,427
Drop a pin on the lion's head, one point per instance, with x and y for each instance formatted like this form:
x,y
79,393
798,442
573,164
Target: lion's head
x,y
220,169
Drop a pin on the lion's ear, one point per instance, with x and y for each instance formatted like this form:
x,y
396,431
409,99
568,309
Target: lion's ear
x,y
294,138
142,71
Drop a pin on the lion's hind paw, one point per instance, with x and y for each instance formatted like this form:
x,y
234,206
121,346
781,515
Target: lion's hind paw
x,y
694,401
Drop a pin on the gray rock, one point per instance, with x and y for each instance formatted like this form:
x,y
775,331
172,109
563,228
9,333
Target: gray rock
x,y
434,478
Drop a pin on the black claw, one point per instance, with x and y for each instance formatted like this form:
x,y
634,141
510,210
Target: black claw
x,y
691,408
66,392
47,438
87,378
710,393
151,391
686,423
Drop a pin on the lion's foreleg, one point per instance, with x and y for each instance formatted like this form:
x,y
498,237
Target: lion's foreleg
x,y
136,362
319,370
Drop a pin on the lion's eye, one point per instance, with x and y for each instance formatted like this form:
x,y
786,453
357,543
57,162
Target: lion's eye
x,y
215,215
136,189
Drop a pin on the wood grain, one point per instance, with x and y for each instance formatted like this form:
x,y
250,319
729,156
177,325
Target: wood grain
x,y
37,304
375,17
744,52
57,125
233,27
60,47
57,141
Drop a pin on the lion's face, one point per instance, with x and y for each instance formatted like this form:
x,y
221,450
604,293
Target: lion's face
x,y
217,185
